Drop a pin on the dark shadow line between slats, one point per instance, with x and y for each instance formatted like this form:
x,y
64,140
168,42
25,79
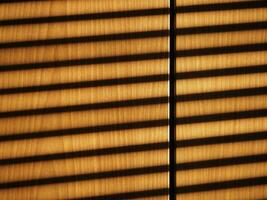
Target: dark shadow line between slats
x,y
85,177
138,79
222,94
137,125
88,16
86,61
137,148
137,35
262,135
86,39
135,171
222,72
86,130
222,6
86,107
136,13
86,153
221,28
222,116
222,185
136,57
232,161
19,1
129,195
86,84
222,50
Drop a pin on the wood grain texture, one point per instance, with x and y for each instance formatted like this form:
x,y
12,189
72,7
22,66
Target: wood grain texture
x,y
113,163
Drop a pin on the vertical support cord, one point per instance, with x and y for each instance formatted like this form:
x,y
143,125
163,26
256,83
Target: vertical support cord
x,y
172,104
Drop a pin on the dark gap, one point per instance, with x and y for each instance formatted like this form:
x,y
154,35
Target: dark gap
x,y
86,130
86,61
222,116
222,185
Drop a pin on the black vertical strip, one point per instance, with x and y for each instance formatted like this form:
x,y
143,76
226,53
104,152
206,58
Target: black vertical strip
x,y
172,111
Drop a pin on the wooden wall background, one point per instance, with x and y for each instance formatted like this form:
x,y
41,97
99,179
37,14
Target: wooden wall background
x,y
84,99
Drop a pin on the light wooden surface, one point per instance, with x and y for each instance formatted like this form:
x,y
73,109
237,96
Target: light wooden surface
x,y
62,121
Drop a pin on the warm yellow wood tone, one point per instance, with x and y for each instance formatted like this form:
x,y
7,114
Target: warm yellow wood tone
x,y
221,83
82,28
82,96
198,63
83,165
220,106
89,188
221,128
220,17
227,150
200,2
82,73
82,119
81,51
220,39
216,174
71,7
90,141
245,193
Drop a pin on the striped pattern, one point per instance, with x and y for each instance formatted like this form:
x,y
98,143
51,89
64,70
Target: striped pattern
x,y
221,99
84,99
88,90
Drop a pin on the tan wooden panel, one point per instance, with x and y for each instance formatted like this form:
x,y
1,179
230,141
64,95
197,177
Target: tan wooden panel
x,y
221,128
220,106
220,39
82,73
71,7
201,2
52,145
82,28
202,85
83,50
197,63
217,151
217,174
220,17
245,193
89,188
82,96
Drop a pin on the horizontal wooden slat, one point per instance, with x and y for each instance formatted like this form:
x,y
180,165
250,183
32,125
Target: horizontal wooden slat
x,y
220,17
55,8
207,152
90,188
82,28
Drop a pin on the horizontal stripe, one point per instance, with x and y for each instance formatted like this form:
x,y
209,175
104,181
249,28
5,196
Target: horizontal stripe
x,y
222,94
85,84
85,61
85,130
221,72
86,153
222,185
85,107
222,50
137,148
222,116
85,177
89,16
134,171
86,39
221,28
140,79
222,139
222,162
129,195
222,6
137,35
